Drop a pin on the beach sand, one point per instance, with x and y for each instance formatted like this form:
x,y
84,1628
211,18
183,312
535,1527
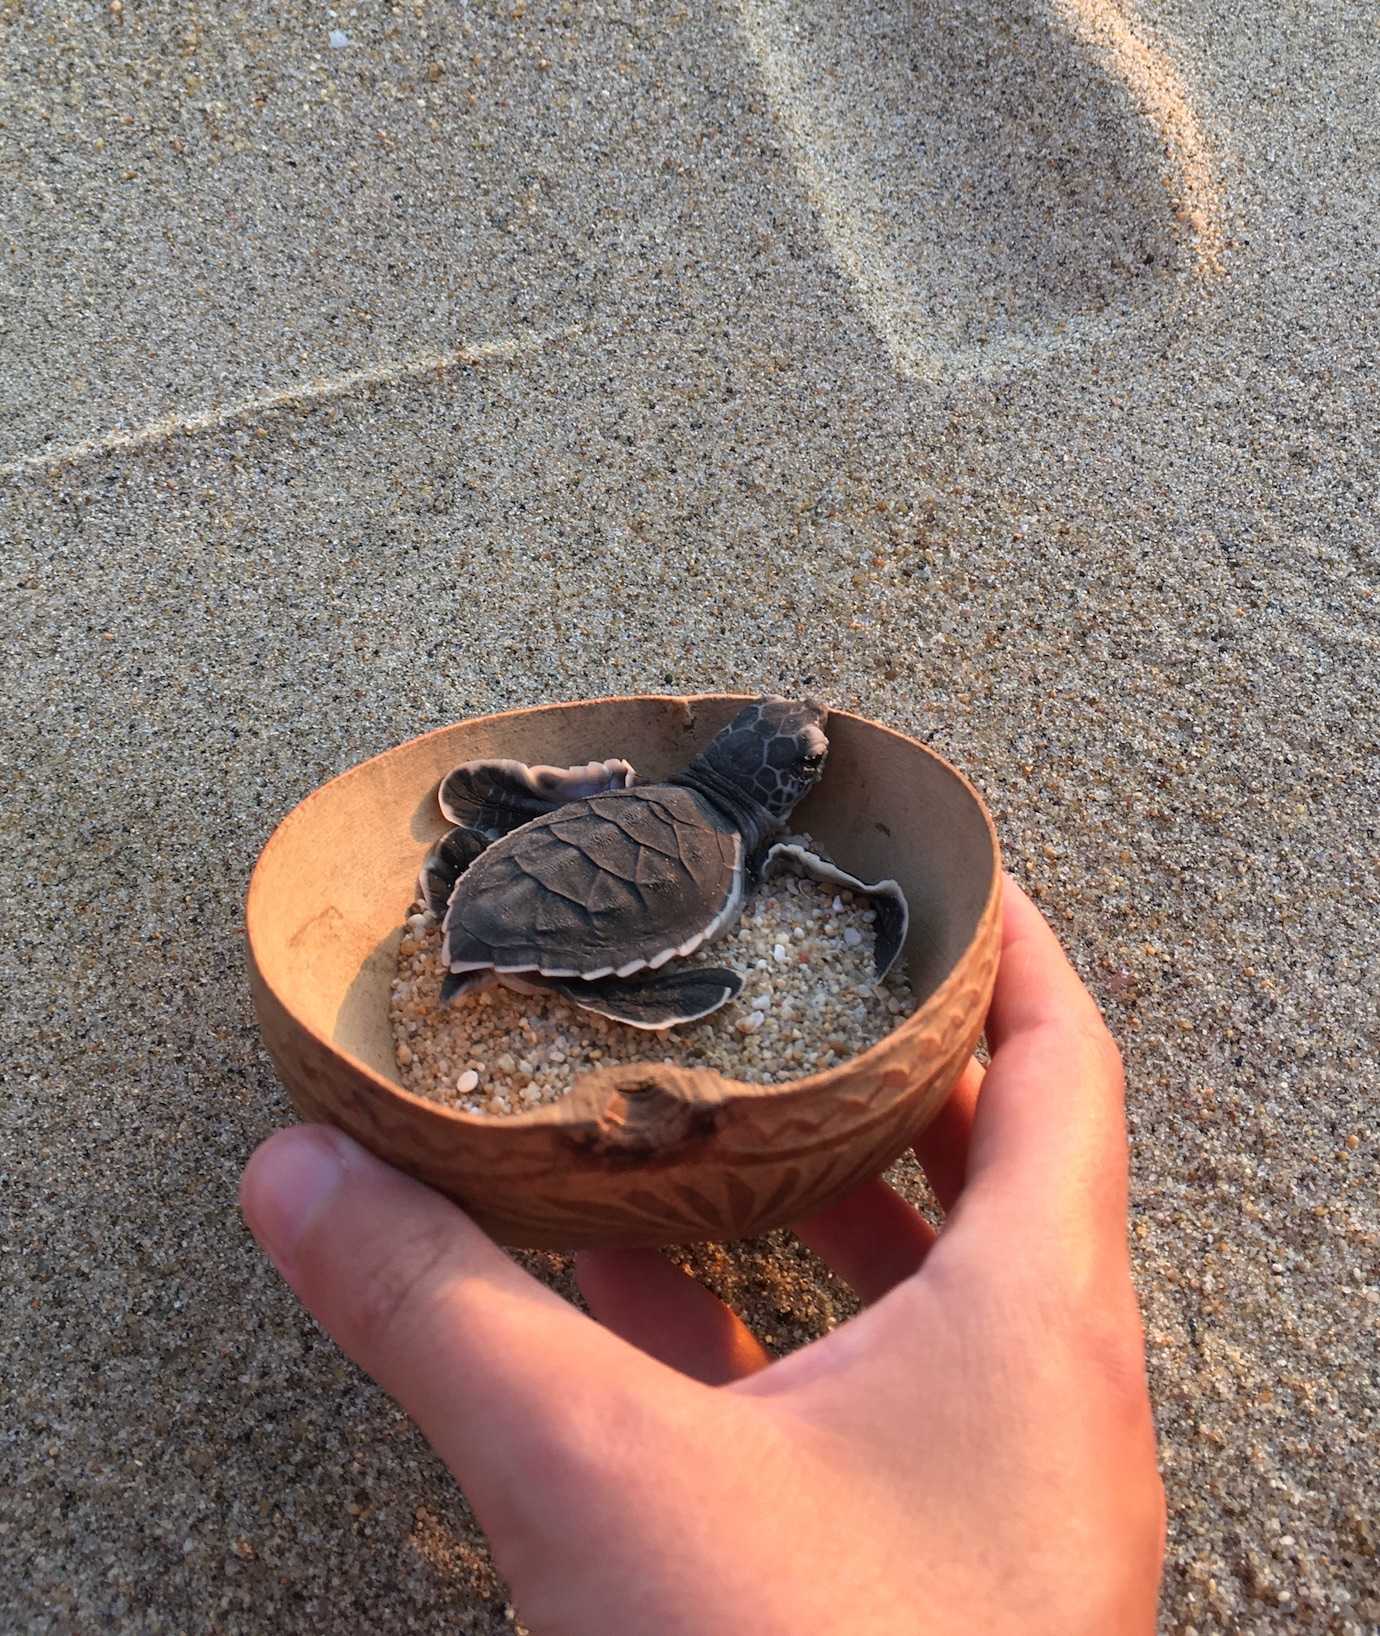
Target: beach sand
x,y
1004,372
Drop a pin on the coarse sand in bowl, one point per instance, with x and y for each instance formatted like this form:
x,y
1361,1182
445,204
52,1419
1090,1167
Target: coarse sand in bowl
x,y
810,999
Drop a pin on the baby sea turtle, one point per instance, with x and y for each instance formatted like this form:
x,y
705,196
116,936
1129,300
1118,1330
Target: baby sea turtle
x,y
584,881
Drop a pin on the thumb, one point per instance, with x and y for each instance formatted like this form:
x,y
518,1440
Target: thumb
x,y
509,1383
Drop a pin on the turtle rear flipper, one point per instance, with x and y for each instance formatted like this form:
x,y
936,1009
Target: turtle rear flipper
x,y
494,798
888,900
651,999
455,985
445,863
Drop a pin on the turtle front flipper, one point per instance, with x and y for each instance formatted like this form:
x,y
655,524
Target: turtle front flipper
x,y
495,797
651,999
445,863
888,900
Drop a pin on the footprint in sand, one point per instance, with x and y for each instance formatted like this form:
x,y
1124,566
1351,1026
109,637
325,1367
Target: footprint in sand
x,y
998,180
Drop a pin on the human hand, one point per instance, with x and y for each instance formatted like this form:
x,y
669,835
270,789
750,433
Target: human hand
x,y
973,1452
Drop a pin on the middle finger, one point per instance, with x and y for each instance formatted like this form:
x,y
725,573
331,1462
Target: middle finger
x,y
870,1237
660,1308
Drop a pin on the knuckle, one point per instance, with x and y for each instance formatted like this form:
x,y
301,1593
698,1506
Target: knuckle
x,y
1102,1048
1111,1350
1159,1523
392,1289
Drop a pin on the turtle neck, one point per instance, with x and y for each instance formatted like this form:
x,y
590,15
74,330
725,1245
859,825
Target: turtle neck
x,y
746,814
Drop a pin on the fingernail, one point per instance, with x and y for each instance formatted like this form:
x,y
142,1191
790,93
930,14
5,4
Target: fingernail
x,y
288,1182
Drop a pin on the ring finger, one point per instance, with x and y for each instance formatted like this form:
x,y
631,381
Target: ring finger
x,y
871,1237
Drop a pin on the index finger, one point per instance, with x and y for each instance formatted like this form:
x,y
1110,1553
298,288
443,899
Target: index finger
x,y
1049,1134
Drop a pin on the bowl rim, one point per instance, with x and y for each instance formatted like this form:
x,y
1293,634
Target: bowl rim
x,y
557,1113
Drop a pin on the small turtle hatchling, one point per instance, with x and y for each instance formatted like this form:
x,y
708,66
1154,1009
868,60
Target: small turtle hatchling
x,y
584,881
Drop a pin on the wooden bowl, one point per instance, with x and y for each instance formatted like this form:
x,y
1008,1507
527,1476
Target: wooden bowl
x,y
639,1153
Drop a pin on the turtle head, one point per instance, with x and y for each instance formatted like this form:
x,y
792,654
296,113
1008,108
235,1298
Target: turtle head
x,y
773,751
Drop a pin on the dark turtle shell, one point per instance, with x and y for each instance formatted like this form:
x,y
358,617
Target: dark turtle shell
x,y
611,884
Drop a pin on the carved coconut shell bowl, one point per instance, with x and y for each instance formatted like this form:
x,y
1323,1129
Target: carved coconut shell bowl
x,y
636,1154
